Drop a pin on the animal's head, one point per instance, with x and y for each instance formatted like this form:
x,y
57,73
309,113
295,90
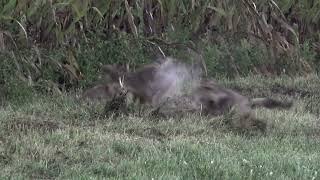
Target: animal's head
x,y
116,74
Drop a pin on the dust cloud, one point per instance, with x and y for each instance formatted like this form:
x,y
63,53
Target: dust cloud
x,y
181,77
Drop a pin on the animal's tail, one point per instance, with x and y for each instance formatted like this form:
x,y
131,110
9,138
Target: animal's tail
x,y
270,103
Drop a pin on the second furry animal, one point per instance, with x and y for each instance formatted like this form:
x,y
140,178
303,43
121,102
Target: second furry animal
x,y
217,100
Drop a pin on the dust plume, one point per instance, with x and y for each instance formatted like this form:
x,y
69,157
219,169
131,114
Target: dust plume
x,y
182,77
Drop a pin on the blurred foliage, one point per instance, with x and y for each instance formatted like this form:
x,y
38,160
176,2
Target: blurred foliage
x,y
58,44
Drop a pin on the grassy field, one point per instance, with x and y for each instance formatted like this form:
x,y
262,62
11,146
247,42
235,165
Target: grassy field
x,y
59,137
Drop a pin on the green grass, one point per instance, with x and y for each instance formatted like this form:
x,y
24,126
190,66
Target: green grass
x,y
59,137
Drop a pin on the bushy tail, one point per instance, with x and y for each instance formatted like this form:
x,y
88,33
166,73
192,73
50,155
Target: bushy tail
x,y
270,103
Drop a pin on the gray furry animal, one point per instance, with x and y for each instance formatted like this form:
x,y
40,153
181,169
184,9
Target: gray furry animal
x,y
149,83
217,100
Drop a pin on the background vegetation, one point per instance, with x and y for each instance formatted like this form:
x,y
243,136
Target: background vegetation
x,y
58,44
